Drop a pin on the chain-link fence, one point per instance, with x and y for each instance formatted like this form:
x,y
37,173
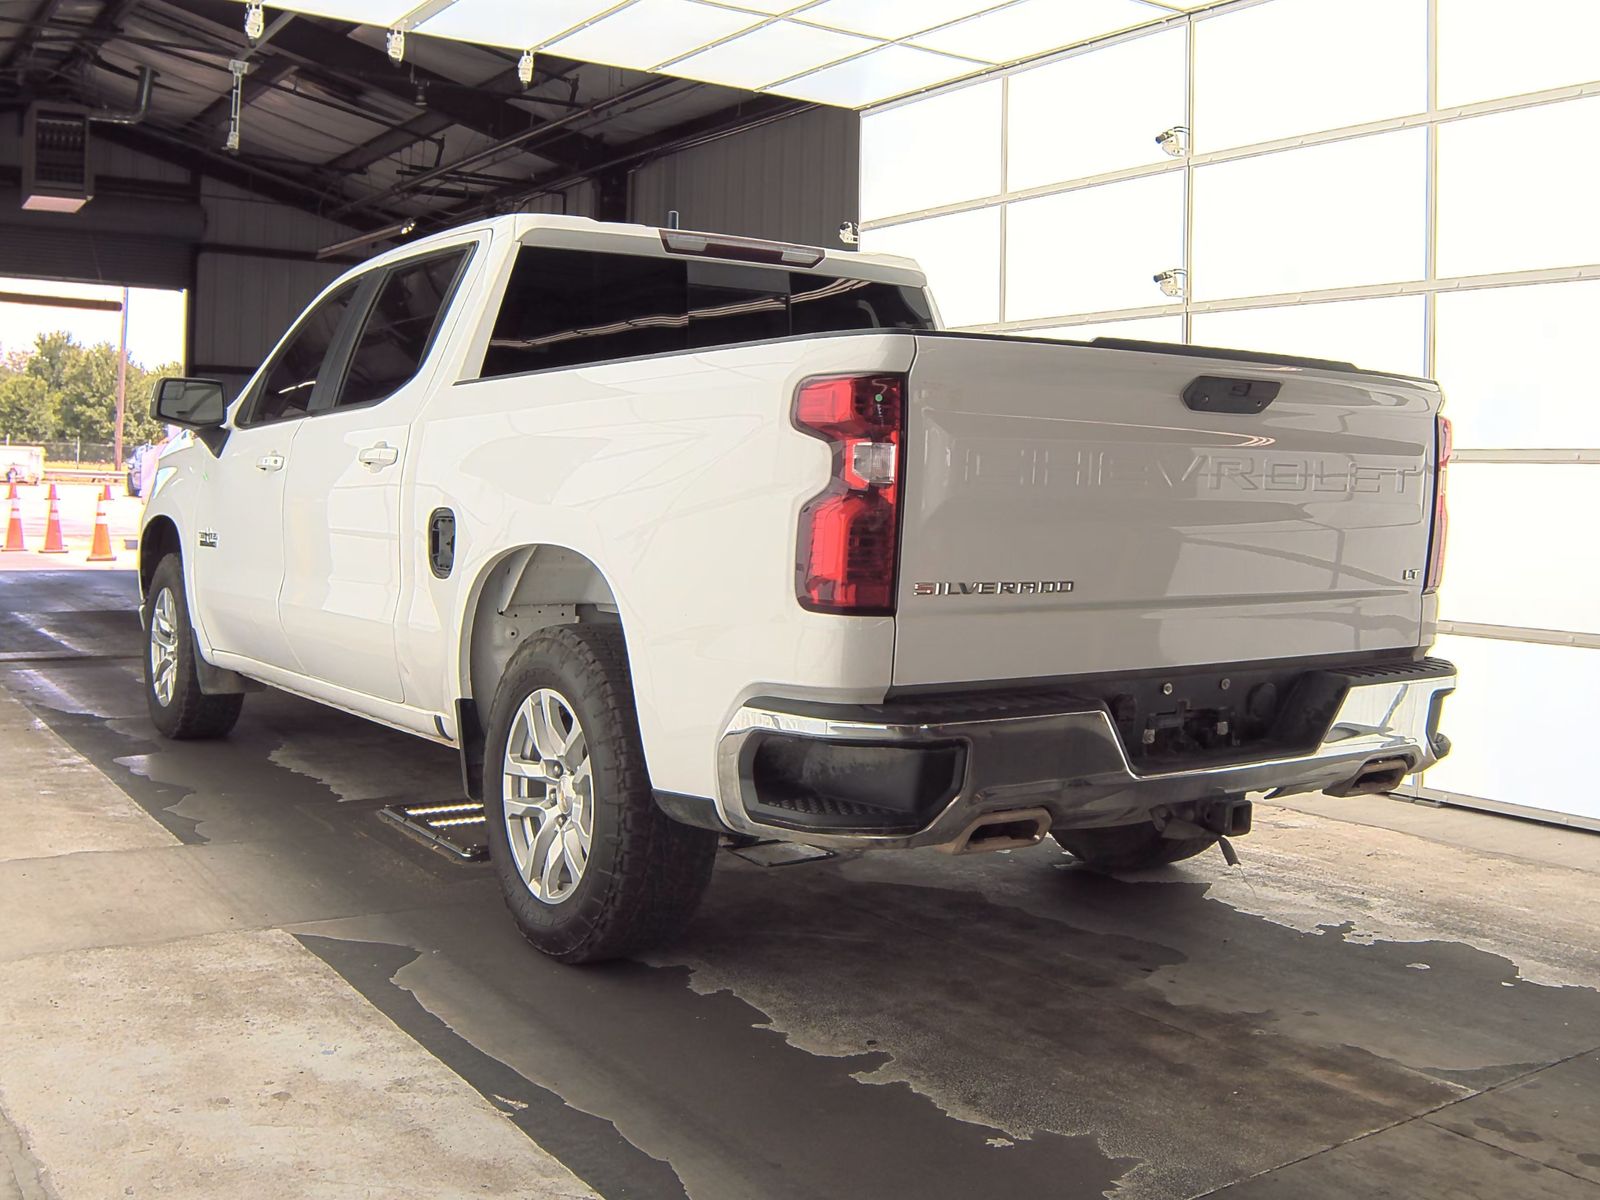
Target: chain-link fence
x,y
77,453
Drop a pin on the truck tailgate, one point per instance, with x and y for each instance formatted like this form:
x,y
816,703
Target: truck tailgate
x,y
1066,512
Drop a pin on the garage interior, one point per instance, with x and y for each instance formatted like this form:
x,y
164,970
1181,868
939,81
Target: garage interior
x,y
227,976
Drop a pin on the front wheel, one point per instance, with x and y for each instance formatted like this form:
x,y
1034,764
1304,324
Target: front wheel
x,y
178,707
590,868
1128,847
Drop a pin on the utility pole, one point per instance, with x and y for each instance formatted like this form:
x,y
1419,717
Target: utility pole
x,y
122,383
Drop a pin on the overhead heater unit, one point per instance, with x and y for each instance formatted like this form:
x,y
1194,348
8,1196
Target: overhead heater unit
x,y
55,158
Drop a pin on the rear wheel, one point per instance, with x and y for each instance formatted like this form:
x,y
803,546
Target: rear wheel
x,y
590,868
1128,847
178,707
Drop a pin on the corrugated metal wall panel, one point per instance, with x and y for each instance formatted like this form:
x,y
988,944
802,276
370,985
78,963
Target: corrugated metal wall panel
x,y
242,305
108,159
794,180
237,217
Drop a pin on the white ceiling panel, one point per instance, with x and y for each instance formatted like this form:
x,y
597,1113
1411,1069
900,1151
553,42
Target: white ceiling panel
x,y
649,32
367,12
769,54
514,23
875,76
1035,27
848,53
893,18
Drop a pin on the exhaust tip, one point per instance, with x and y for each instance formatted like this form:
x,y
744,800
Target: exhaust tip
x,y
1012,830
1380,775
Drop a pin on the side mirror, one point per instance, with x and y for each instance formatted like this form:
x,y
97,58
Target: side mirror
x,y
192,403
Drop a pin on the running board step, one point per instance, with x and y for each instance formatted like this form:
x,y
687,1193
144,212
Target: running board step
x,y
458,828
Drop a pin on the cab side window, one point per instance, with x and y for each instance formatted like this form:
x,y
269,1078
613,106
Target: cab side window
x,y
286,390
399,329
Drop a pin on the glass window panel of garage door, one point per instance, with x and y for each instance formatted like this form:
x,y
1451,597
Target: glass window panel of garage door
x,y
1381,335
1517,189
931,153
1518,366
1096,249
960,255
1060,125
1301,66
1490,49
1501,684
1336,215
1521,548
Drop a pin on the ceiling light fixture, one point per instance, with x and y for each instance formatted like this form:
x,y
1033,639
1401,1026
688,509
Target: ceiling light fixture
x,y
255,21
396,45
525,68
237,67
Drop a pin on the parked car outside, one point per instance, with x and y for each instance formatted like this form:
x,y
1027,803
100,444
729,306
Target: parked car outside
x,y
22,464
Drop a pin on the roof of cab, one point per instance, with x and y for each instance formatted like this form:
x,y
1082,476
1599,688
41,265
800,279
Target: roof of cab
x,y
845,261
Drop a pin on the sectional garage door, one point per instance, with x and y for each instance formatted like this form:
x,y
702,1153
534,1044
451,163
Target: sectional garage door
x,y
1408,184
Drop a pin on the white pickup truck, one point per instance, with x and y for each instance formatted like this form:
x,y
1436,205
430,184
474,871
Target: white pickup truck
x,y
679,537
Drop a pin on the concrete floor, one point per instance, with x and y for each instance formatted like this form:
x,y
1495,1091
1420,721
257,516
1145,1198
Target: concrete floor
x,y
226,977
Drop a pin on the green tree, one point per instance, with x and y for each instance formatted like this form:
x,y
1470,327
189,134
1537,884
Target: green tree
x,y
51,357
88,393
62,390
27,409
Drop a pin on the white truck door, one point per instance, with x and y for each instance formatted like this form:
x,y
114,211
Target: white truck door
x,y
239,531
343,511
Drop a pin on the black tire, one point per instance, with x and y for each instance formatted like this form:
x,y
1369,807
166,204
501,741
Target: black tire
x,y
188,713
1128,847
645,873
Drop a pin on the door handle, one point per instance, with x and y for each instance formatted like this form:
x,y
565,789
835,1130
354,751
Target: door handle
x,y
381,455
270,462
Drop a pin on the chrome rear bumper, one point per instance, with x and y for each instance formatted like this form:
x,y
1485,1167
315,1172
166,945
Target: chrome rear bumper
x,y
1072,762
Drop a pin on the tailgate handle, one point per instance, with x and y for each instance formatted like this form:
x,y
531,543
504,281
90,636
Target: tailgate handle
x,y
1212,393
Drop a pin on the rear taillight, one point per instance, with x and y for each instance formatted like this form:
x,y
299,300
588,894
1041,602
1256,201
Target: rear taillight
x,y
850,531
1441,515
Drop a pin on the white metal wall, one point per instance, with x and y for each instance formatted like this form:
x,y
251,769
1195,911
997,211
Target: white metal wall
x,y
1408,184
792,180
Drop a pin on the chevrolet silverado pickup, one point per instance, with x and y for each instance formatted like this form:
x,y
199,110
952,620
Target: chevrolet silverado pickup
x,y
680,538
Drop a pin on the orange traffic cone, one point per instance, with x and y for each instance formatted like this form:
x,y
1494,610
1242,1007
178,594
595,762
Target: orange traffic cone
x,y
100,548
14,525
52,528
13,486
106,495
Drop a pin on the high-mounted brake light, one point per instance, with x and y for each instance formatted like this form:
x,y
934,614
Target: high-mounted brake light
x,y
1441,515
741,249
850,531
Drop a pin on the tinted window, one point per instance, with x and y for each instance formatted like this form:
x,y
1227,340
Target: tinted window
x,y
286,390
574,306
731,303
566,307
818,304
399,328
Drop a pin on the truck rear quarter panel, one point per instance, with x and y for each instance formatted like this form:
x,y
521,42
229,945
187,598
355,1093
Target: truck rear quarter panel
x,y
681,478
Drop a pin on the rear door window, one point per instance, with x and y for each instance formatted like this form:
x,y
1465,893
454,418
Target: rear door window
x,y
564,307
400,328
